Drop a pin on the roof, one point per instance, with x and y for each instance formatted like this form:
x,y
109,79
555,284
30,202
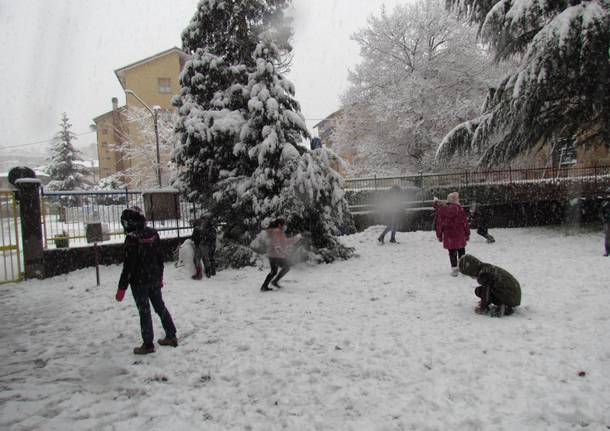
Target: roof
x,y
121,71
330,117
107,114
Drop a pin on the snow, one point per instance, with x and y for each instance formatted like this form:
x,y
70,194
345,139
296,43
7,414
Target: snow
x,y
384,341
28,181
164,190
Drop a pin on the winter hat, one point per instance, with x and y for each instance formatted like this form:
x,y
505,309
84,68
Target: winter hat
x,y
132,219
453,198
470,265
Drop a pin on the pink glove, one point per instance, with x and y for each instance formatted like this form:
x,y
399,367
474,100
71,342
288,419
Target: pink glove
x,y
120,294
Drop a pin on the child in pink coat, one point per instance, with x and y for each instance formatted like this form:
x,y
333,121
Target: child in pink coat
x,y
452,229
277,251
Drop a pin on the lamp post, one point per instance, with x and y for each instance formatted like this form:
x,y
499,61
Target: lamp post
x,y
154,111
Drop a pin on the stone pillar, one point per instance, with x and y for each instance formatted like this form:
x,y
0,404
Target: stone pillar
x,y
31,228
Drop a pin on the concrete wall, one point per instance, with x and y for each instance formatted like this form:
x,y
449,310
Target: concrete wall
x,y
65,260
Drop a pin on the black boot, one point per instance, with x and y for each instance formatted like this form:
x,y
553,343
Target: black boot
x,y
197,275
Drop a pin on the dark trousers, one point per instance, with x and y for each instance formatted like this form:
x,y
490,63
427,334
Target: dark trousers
x,y
487,298
144,296
389,228
607,241
206,253
276,263
212,259
483,232
454,253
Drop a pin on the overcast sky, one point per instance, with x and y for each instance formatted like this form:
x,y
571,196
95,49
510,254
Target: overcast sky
x,y
60,56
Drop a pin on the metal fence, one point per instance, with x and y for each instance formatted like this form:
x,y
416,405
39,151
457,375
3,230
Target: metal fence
x,y
10,267
466,178
65,216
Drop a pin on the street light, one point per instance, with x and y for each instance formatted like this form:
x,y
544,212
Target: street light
x,y
154,111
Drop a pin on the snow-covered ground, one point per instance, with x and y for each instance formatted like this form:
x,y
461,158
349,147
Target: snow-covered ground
x,y
385,341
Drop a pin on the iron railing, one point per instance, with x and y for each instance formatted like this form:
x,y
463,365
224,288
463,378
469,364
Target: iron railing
x,y
465,178
10,239
65,215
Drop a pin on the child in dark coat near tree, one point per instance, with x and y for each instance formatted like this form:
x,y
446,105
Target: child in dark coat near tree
x,y
479,217
497,286
605,216
452,229
277,251
204,241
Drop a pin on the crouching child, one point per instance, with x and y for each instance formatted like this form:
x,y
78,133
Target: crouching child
x,y
497,286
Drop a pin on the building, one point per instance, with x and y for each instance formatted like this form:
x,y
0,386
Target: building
x,y
585,149
327,127
154,81
110,128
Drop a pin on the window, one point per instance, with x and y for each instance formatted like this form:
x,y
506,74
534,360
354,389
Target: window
x,y
165,85
566,151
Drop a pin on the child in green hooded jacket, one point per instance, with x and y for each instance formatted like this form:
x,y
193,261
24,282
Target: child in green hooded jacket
x,y
497,286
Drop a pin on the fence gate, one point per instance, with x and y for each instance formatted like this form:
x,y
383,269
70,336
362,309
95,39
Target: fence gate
x,y
10,266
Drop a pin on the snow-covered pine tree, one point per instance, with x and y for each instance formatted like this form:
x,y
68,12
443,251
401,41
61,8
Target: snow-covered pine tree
x,y
240,126
289,180
270,136
65,174
561,88
208,125
221,38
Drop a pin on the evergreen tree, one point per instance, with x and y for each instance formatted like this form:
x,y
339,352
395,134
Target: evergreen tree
x,y
561,88
240,126
65,174
270,136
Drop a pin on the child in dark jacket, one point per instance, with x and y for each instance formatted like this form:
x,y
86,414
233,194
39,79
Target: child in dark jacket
x,y
204,241
143,270
277,251
497,286
479,218
452,229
